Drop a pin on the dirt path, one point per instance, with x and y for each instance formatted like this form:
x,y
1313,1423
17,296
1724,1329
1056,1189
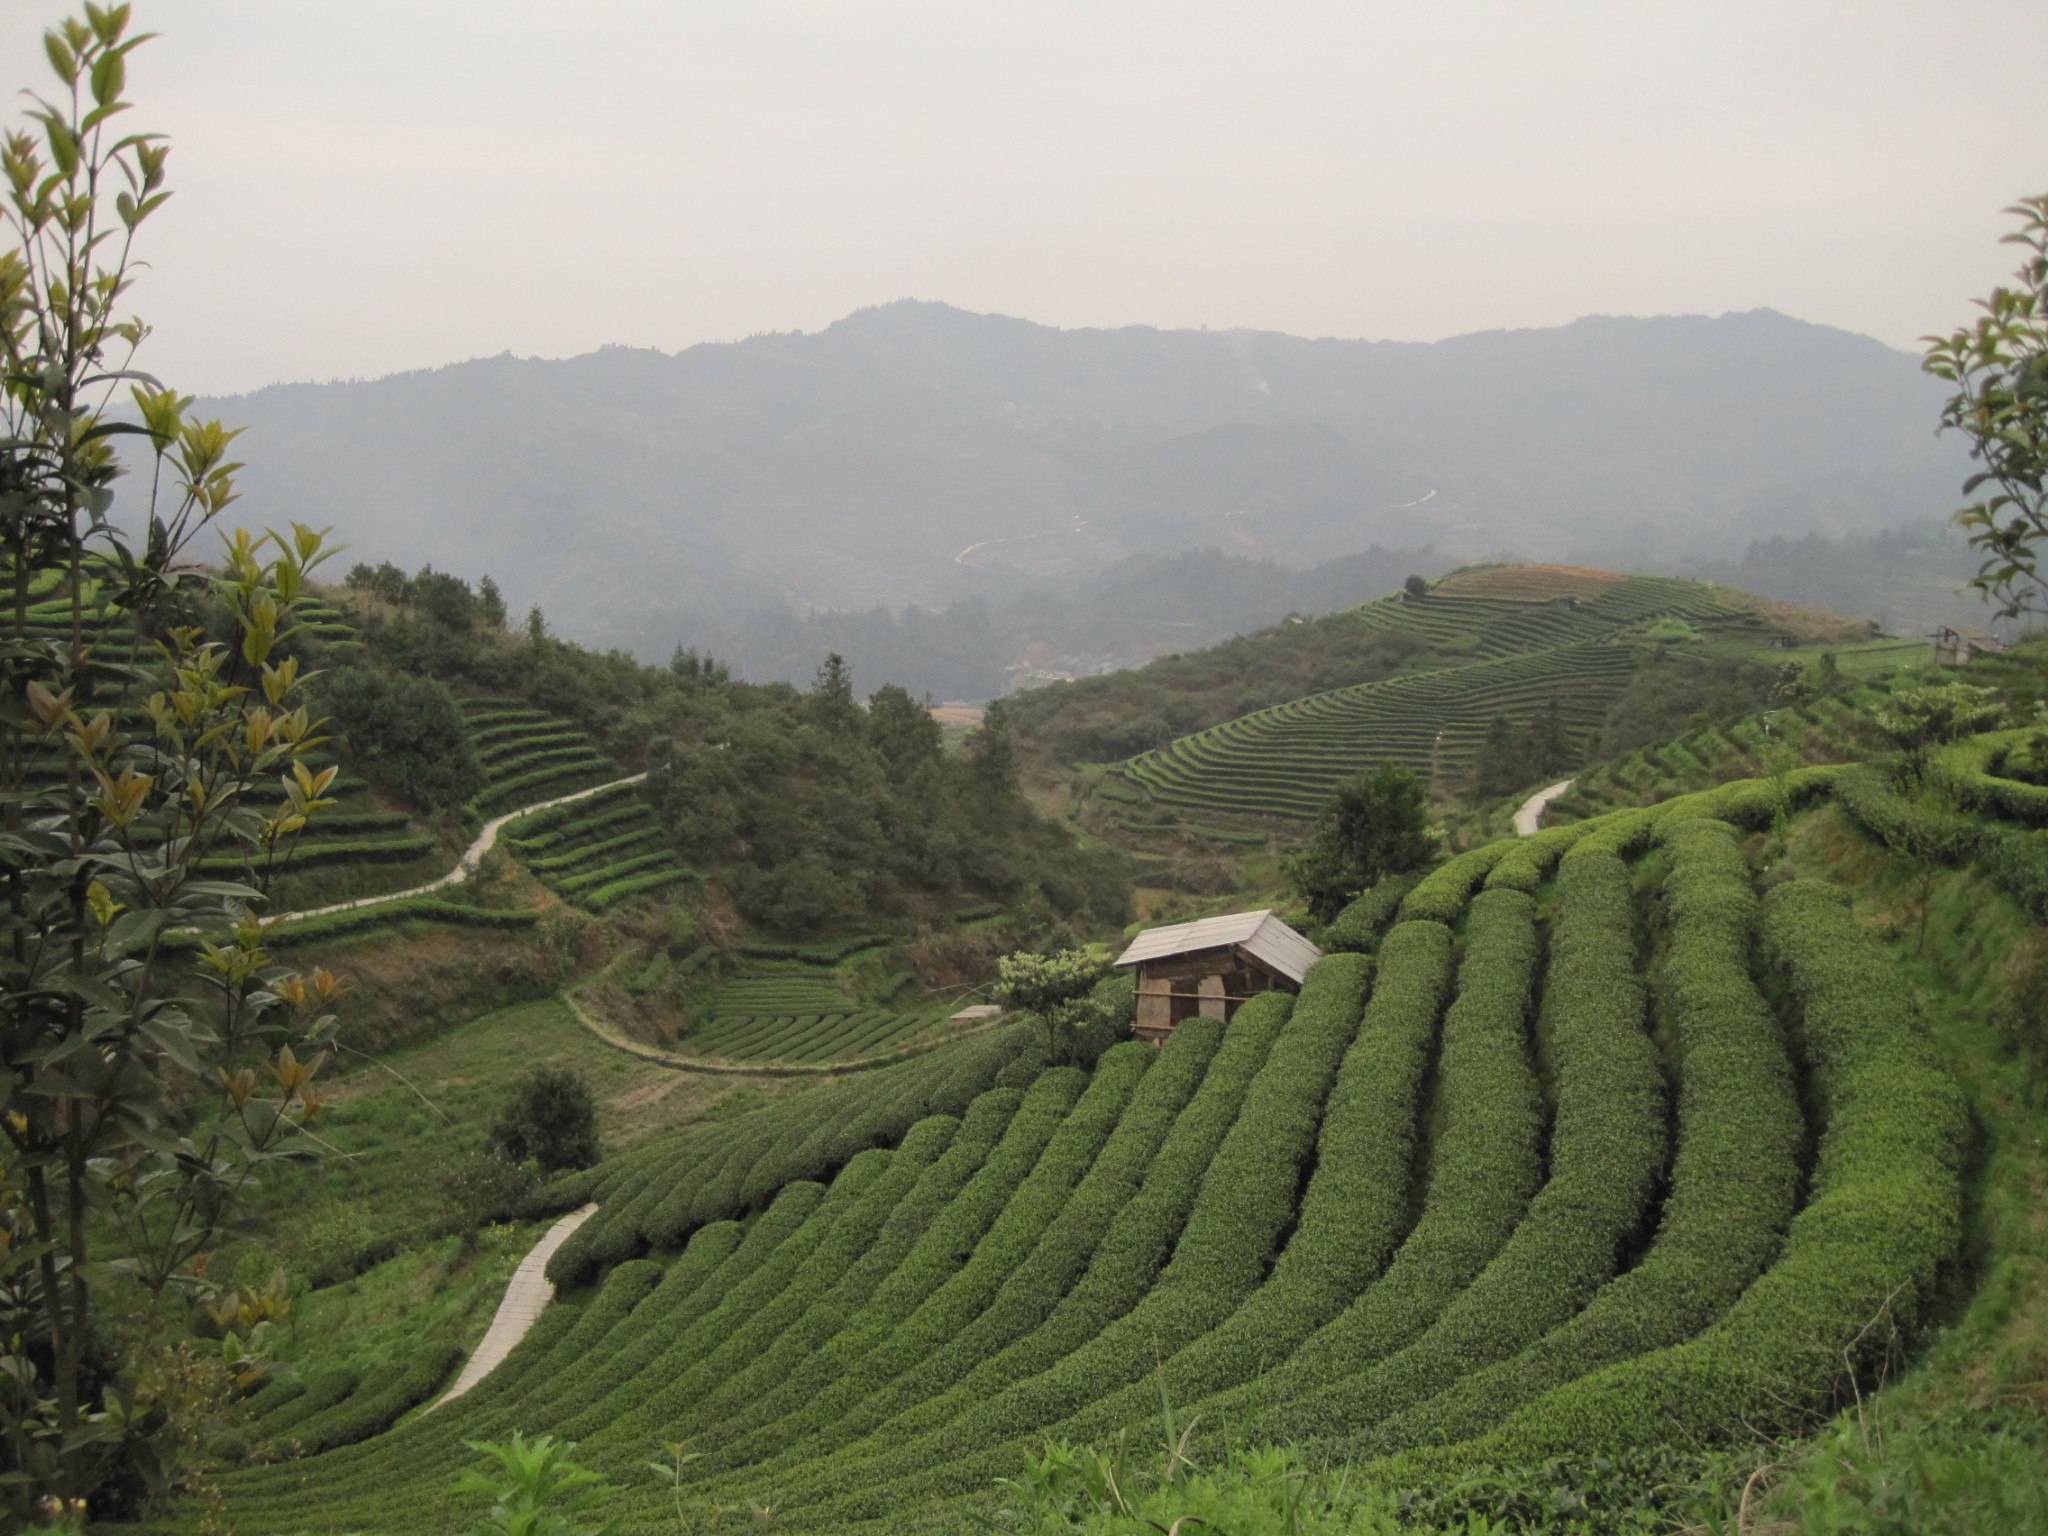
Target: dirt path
x,y
466,865
1530,816
528,1292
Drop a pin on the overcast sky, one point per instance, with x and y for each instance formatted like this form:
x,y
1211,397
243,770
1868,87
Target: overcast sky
x,y
365,186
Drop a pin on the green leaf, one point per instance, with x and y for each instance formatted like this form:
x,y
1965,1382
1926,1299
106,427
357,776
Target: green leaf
x,y
109,75
62,59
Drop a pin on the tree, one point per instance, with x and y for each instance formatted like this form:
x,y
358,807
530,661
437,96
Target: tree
x,y
1416,587
903,731
1999,366
832,703
411,728
147,1080
992,751
391,584
550,1118
1550,744
1377,825
1054,989
536,626
1502,763
445,599
490,604
1917,720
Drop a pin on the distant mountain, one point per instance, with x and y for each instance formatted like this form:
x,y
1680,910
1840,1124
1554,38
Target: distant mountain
x,y
915,452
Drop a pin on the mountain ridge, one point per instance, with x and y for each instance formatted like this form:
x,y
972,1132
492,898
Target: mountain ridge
x,y
646,499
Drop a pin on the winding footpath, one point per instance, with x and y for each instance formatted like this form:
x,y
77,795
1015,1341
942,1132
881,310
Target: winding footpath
x,y
528,1292
467,864
1530,816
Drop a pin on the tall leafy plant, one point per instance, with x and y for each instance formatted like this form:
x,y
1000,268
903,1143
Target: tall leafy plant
x,y
1999,365
142,1084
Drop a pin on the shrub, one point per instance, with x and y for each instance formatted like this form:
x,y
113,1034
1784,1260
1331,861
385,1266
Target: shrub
x,y
409,728
1441,894
551,1119
377,1404
1859,1260
1735,1177
1486,1165
1357,929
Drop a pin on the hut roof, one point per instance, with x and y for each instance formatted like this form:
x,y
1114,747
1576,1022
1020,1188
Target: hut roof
x,y
1259,934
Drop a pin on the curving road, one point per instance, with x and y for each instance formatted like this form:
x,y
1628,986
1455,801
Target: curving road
x,y
1530,816
525,1295
466,865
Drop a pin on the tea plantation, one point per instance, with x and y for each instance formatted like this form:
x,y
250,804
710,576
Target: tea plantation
x,y
529,755
1589,1144
598,850
1506,641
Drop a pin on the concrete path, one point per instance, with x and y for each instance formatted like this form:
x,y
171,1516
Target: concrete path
x,y
1530,816
524,1298
466,865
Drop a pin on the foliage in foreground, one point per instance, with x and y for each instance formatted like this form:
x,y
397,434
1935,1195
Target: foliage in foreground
x,y
146,1089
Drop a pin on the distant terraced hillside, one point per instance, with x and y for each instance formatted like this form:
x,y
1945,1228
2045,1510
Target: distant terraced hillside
x,y
529,755
1490,642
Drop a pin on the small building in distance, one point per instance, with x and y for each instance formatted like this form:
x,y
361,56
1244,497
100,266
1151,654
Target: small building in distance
x,y
1208,968
1954,647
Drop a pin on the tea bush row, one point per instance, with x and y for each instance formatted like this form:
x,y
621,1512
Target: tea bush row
x,y
1246,1201
1485,1164
666,1189
1006,1244
841,1374
1860,1259
1123,1267
1606,1154
1735,1175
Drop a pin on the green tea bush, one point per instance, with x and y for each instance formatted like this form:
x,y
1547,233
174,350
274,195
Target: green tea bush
x,y
1246,1201
377,1404
1485,1166
1356,1207
1008,1243
1735,1178
843,1375
1859,1261
1357,929
1607,1149
1528,862
1440,896
1031,1292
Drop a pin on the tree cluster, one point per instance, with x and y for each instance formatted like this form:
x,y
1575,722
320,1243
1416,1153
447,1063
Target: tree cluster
x,y
1377,825
1514,756
407,730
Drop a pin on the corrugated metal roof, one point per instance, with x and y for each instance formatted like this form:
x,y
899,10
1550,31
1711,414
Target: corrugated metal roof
x,y
1260,934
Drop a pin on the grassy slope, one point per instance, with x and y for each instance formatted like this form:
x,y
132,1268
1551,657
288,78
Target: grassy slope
x,y
396,1126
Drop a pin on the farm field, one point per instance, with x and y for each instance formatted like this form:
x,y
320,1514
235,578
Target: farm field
x,y
359,847
1506,641
1510,1185
806,1037
600,850
529,755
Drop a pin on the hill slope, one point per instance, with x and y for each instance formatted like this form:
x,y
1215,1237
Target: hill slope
x,y
877,1295
1418,680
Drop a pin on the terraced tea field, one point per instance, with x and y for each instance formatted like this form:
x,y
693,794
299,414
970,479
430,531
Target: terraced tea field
x,y
600,850
356,847
529,755
1391,1221
1521,655
805,1037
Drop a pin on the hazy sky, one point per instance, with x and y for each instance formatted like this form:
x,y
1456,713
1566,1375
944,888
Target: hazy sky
x,y
377,185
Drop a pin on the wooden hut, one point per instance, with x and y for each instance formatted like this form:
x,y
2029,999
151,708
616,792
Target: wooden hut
x,y
1955,647
1206,969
